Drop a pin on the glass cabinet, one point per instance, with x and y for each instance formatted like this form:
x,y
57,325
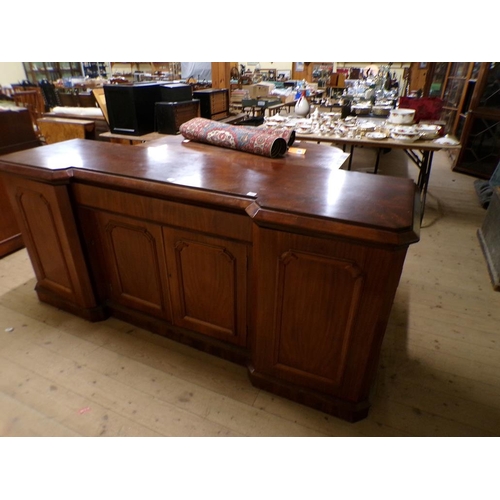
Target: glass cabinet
x,y
51,71
453,82
480,133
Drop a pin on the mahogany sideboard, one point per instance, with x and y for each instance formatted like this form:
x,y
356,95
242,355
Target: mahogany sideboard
x,y
288,266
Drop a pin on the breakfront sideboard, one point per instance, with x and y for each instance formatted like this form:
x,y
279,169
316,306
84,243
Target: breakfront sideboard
x,y
288,266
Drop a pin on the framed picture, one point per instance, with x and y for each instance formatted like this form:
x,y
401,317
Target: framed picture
x,y
423,66
299,66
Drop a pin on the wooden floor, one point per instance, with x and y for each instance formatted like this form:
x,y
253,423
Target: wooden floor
x,y
439,371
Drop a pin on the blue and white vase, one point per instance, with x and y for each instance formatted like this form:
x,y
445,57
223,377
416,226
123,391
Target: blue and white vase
x,y
302,107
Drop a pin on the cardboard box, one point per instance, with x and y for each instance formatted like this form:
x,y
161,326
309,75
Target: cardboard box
x,y
258,90
287,98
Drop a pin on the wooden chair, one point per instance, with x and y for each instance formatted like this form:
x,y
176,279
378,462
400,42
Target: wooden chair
x,y
33,101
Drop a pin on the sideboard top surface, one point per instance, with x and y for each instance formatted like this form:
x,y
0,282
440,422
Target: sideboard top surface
x,y
309,185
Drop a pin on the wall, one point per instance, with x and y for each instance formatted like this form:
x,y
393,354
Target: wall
x,y
11,72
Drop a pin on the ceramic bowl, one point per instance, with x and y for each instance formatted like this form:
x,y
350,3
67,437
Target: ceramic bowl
x,y
403,116
404,137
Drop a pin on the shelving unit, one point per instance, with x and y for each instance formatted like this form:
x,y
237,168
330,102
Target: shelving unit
x,y
51,71
170,70
96,69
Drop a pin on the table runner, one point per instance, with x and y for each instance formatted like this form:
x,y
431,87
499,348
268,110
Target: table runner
x,y
258,141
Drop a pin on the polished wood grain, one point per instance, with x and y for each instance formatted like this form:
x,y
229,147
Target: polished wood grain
x,y
16,133
287,265
134,264
49,231
208,278
322,309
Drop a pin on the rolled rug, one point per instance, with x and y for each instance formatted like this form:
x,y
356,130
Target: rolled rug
x,y
249,139
287,134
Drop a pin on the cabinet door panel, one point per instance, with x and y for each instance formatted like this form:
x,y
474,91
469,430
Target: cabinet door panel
x,y
49,232
321,310
136,267
208,284
326,285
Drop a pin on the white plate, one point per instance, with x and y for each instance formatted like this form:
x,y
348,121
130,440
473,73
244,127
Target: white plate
x,y
367,125
377,136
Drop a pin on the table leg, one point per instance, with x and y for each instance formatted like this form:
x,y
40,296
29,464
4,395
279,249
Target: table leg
x,y
423,178
350,157
379,150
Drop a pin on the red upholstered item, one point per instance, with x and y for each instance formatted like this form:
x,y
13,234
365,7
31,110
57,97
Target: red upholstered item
x,y
426,108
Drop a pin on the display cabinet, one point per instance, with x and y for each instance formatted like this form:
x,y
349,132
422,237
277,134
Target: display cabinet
x,y
479,126
458,83
436,76
51,71
453,82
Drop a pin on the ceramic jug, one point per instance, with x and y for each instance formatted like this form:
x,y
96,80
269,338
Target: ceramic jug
x,y
302,105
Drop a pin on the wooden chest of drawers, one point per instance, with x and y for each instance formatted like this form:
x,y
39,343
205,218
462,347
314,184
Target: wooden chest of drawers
x,y
214,103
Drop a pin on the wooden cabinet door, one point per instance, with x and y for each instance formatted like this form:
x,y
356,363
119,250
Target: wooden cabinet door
x,y
135,264
208,284
321,310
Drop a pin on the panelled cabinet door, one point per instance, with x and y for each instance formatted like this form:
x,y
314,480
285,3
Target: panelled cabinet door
x,y
135,262
321,311
208,281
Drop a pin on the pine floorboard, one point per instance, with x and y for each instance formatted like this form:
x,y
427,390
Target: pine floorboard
x,y
439,372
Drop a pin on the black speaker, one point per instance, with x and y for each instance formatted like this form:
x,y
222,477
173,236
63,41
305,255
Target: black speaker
x,y
176,92
171,115
131,108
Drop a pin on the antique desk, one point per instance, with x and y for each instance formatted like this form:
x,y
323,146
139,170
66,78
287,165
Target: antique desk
x,y
288,266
